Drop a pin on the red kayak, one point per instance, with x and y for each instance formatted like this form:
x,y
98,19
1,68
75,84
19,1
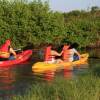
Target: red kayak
x,y
21,57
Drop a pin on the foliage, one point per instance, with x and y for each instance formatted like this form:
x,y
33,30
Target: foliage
x,y
34,22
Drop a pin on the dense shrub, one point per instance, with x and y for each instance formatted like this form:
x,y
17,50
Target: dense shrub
x,y
34,22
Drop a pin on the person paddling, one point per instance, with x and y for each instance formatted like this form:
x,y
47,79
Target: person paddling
x,y
70,53
6,50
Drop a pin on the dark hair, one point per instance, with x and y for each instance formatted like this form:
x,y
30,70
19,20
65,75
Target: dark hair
x,y
74,45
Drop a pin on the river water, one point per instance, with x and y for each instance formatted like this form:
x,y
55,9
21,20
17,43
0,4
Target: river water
x,y
17,79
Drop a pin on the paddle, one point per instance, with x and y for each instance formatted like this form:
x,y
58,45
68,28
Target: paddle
x,y
17,49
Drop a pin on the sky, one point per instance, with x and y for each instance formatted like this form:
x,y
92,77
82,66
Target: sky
x,y
69,5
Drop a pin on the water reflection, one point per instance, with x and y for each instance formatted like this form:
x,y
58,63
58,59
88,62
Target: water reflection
x,y
65,73
49,76
68,74
14,80
7,77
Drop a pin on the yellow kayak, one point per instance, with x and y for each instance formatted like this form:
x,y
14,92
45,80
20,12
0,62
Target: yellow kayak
x,y
42,67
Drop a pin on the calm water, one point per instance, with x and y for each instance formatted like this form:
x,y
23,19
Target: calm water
x,y
18,78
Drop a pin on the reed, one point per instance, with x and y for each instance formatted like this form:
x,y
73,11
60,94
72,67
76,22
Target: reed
x,y
83,88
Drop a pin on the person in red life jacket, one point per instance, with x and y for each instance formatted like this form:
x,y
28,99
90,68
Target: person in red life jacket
x,y
50,55
6,50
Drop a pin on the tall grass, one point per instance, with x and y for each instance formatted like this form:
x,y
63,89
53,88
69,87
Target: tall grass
x,y
82,88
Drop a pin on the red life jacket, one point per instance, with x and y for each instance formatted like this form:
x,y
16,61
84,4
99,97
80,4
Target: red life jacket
x,y
5,46
65,54
48,54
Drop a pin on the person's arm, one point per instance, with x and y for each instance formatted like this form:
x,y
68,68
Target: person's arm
x,y
76,52
55,53
61,52
13,52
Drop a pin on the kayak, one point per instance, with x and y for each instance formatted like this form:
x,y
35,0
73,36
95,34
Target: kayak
x,y
21,57
42,67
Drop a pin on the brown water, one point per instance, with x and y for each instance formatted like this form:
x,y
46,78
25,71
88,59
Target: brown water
x,y
18,78
15,80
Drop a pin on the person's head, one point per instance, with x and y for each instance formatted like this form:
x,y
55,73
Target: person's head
x,y
8,42
53,47
74,45
64,46
47,45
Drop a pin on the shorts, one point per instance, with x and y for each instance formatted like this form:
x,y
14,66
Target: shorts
x,y
75,57
11,57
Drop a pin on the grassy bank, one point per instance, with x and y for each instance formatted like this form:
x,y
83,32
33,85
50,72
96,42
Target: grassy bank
x,y
83,88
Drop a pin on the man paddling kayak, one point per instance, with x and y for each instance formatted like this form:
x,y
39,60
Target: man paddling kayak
x,y
6,50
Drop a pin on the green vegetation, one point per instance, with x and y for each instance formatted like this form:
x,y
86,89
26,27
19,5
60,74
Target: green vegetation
x,y
84,88
34,22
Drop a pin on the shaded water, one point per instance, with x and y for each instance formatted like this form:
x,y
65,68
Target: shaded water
x,y
18,78
14,80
